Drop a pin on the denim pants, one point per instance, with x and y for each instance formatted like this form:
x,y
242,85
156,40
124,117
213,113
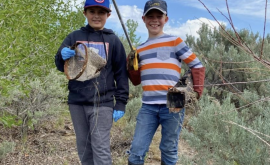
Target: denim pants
x,y
92,127
148,120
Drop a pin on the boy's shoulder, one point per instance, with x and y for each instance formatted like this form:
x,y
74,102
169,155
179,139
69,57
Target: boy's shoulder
x,y
76,32
109,32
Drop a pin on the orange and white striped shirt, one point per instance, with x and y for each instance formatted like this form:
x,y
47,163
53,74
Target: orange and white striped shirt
x,y
160,65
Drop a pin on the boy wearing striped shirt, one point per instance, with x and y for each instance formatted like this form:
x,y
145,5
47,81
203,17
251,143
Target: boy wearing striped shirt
x,y
160,60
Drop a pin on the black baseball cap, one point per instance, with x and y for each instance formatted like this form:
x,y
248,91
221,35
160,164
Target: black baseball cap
x,y
155,4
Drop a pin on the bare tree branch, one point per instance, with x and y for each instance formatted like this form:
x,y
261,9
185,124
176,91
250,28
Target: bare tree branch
x,y
239,42
264,28
249,130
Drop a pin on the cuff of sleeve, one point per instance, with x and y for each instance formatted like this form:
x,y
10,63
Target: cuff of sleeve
x,y
120,106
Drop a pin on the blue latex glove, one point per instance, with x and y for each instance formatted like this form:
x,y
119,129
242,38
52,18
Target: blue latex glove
x,y
117,114
67,53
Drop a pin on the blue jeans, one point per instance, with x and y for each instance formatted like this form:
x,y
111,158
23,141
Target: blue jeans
x,y
148,120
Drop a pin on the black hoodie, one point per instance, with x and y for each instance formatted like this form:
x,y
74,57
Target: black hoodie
x,y
113,80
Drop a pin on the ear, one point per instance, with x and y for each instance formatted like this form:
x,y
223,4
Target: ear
x,y
108,15
166,19
143,18
84,13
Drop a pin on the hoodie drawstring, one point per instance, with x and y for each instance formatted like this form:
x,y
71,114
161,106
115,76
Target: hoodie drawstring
x,y
104,46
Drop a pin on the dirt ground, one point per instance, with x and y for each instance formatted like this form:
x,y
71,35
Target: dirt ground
x,y
56,146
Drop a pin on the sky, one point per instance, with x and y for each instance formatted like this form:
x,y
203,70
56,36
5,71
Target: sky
x,y
187,16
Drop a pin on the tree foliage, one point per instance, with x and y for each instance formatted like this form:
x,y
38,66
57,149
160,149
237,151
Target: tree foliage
x,y
232,125
228,63
131,31
31,32
132,26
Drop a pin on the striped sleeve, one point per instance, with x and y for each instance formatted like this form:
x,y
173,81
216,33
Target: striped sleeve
x,y
184,53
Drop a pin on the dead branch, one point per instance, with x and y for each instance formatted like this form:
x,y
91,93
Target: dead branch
x,y
208,59
236,109
239,42
248,82
264,29
249,130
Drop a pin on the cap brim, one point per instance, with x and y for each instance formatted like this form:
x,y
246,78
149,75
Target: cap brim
x,y
151,8
109,10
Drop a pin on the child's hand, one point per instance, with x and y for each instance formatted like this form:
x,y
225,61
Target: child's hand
x,y
117,114
67,53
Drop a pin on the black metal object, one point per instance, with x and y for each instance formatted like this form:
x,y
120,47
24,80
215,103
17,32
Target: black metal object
x,y
175,100
176,97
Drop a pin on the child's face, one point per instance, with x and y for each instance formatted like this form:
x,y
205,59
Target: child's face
x,y
155,21
96,17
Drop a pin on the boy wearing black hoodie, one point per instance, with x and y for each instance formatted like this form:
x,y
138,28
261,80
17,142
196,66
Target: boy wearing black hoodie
x,y
91,102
